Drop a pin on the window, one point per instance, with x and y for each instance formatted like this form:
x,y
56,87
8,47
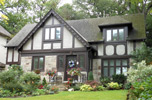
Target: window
x,y
53,33
82,61
115,35
115,66
60,61
38,63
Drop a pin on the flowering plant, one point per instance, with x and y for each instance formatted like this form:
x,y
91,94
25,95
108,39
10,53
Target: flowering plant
x,y
71,63
74,71
54,88
51,73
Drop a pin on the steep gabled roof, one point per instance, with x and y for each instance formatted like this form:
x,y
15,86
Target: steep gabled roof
x,y
86,30
33,30
4,32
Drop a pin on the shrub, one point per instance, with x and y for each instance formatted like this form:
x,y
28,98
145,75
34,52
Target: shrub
x,y
105,80
86,88
100,88
30,81
119,78
9,79
5,93
140,73
90,76
142,90
44,82
55,89
113,86
93,84
127,85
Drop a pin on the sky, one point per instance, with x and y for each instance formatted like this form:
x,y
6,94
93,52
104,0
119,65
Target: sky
x,y
65,1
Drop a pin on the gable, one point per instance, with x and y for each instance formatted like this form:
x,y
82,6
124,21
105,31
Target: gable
x,y
38,40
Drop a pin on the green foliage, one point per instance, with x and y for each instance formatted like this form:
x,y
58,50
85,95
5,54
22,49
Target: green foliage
x,y
119,78
93,84
104,80
140,72
100,88
90,76
44,82
9,80
86,88
55,89
143,53
29,81
5,93
113,86
142,90
127,85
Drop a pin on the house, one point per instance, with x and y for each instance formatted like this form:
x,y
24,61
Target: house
x,y
4,35
101,45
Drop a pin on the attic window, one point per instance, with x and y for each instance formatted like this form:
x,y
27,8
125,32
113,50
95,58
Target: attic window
x,y
53,33
115,35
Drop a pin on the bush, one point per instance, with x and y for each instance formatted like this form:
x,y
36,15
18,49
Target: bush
x,y
9,79
44,82
90,76
5,93
30,81
142,90
140,73
113,86
127,86
104,81
93,84
86,88
55,89
100,88
119,78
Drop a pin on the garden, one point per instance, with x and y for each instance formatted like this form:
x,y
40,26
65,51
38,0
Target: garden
x,y
137,85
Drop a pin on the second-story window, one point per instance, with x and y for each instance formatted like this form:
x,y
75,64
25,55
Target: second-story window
x,y
115,35
53,33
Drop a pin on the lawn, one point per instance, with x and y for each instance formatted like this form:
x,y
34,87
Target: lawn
x,y
78,95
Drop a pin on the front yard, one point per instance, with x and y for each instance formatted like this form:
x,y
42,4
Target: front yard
x,y
79,95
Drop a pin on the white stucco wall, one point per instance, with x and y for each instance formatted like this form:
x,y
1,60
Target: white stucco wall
x,y
78,44
129,47
120,49
110,50
37,40
3,50
15,55
56,21
47,46
100,50
10,54
49,21
56,45
138,45
67,39
27,45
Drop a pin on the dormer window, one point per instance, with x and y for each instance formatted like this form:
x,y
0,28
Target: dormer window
x,y
53,33
113,35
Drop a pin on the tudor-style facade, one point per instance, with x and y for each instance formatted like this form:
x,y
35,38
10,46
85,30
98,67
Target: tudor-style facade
x,y
92,44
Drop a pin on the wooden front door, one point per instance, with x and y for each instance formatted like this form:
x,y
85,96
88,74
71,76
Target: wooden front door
x,y
67,67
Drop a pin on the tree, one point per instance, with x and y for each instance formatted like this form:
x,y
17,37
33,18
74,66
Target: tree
x,y
41,7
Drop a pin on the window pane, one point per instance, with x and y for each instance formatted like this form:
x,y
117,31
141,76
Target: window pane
x,y
124,63
108,35
35,63
41,63
111,62
105,71
121,34
118,70
105,63
115,35
61,59
82,61
111,71
124,70
118,63
52,33
47,34
58,33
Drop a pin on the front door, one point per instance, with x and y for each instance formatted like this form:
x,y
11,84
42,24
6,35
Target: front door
x,y
71,58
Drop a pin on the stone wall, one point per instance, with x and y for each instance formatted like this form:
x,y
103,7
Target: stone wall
x,y
97,69
26,63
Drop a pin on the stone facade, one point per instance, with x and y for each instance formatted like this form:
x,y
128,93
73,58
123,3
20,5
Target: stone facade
x,y
26,63
97,69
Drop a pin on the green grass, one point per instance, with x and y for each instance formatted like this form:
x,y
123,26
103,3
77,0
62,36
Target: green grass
x,y
78,95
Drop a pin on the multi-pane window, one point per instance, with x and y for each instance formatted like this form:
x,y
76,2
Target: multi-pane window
x,y
115,66
115,35
82,61
38,63
53,33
